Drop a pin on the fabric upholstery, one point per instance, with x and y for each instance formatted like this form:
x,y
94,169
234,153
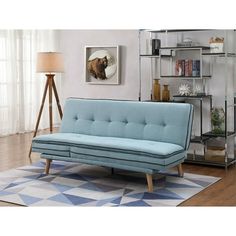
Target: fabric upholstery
x,y
162,122
140,136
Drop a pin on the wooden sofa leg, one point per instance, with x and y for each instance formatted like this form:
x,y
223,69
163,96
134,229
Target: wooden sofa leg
x,y
48,164
149,182
180,170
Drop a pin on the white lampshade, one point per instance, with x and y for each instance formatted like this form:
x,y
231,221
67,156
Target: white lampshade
x,y
50,62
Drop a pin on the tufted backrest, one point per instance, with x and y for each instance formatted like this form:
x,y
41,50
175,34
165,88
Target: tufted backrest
x,y
164,122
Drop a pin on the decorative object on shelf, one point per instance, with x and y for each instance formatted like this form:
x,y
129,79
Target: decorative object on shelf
x,y
187,42
216,44
197,89
156,44
184,90
165,93
156,90
102,64
218,120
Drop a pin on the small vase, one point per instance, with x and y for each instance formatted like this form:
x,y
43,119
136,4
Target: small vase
x,y
156,44
165,93
156,90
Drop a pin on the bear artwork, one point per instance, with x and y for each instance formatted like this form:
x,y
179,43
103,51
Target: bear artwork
x,y
97,66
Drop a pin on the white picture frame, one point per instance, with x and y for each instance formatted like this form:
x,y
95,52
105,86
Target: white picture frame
x,y
102,65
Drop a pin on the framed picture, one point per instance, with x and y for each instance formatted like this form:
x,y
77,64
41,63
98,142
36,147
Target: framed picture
x,y
102,65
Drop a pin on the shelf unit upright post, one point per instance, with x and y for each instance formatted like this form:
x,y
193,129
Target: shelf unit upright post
x,y
153,65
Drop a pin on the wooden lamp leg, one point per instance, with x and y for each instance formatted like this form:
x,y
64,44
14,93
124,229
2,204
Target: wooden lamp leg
x,y
149,182
47,167
180,170
50,78
39,115
57,98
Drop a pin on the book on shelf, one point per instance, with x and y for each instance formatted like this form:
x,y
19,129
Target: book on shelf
x,y
187,68
180,68
196,68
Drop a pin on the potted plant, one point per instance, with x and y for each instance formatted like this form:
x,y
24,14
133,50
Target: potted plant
x,y
218,120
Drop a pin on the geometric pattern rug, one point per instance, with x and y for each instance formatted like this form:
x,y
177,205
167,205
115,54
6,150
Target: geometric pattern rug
x,y
73,184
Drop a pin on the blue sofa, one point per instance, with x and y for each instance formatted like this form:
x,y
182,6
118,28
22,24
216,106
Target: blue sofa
x,y
137,136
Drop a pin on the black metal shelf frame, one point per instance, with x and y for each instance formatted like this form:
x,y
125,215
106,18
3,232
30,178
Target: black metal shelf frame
x,y
200,99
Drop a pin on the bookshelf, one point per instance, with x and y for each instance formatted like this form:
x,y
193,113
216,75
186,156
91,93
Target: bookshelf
x,y
163,67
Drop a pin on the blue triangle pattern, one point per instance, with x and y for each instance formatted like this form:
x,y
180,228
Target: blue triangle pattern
x,y
139,203
90,186
33,176
3,193
162,194
136,195
60,187
48,179
60,198
117,200
28,200
75,200
11,185
98,187
73,176
57,165
127,191
105,201
199,182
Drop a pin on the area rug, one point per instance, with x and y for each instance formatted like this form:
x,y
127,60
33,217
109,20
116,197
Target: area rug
x,y
73,184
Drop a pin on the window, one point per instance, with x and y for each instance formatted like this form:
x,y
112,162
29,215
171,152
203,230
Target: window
x,y
20,86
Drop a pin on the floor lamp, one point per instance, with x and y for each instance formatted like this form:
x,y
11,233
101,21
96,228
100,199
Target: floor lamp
x,y
49,63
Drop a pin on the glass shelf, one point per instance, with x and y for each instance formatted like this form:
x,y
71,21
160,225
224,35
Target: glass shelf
x,y
187,48
154,56
176,30
193,97
185,77
211,161
199,139
149,55
219,54
211,134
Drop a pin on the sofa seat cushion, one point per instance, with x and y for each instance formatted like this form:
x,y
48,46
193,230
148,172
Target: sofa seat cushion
x,y
107,146
42,145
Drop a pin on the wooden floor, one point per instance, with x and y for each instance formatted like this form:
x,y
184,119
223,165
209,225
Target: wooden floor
x,y
14,153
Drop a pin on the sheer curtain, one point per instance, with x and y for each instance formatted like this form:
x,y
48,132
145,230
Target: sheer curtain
x,y
21,88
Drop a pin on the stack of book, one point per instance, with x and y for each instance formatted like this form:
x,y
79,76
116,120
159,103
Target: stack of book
x,y
187,68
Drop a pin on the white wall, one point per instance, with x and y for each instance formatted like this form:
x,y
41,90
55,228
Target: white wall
x,y
72,43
